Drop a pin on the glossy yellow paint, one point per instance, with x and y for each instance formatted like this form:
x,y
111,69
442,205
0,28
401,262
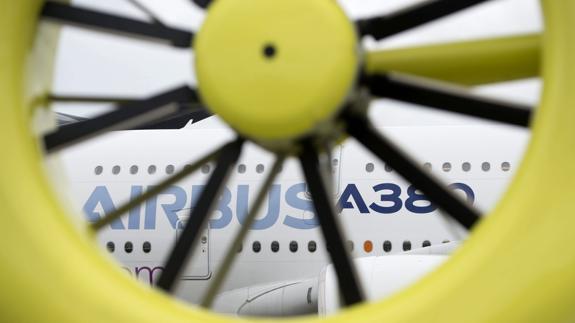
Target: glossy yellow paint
x,y
313,67
516,267
468,63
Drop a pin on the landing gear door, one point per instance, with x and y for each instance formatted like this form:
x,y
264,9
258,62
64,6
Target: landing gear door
x,y
198,267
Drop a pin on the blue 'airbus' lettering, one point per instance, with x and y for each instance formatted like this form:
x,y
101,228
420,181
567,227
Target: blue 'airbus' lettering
x,y
389,200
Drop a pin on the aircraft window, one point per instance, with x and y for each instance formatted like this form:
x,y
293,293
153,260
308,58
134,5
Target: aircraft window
x,y
388,168
427,166
387,246
151,169
147,247
206,169
311,246
259,168
367,246
445,241
116,170
334,162
128,247
293,246
406,245
349,245
446,167
134,169
485,166
505,166
170,169
466,167
241,168
256,246
98,170
426,243
110,246
275,246
369,167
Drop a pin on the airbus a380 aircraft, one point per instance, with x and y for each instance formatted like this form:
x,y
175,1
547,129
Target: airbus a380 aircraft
x,y
282,267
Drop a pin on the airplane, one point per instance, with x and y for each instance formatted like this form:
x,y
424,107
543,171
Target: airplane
x,y
282,268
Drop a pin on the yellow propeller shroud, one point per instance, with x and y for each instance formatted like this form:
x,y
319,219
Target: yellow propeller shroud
x,y
516,265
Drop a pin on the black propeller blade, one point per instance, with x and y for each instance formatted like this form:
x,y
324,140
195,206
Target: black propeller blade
x,y
385,150
128,116
349,285
91,19
199,214
411,17
448,98
204,4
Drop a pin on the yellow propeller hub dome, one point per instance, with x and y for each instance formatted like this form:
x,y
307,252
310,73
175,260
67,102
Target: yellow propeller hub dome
x,y
275,70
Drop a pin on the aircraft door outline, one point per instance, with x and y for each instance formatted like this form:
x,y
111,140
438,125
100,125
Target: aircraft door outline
x,y
198,266
336,161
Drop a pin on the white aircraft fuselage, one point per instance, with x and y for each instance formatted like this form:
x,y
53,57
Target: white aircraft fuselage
x,y
381,213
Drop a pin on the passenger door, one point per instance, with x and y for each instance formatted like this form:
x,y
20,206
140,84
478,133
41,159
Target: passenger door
x,y
198,267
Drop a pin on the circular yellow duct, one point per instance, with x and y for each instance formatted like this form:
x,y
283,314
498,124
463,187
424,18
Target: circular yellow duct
x,y
516,266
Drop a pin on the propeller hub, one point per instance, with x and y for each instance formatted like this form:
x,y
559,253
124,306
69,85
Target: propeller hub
x,y
276,70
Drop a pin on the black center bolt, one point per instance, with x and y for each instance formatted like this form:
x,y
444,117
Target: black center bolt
x,y
269,51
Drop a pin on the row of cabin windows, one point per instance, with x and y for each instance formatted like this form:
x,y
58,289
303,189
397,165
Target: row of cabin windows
x,y
275,246
447,166
312,246
170,169
260,168
129,247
